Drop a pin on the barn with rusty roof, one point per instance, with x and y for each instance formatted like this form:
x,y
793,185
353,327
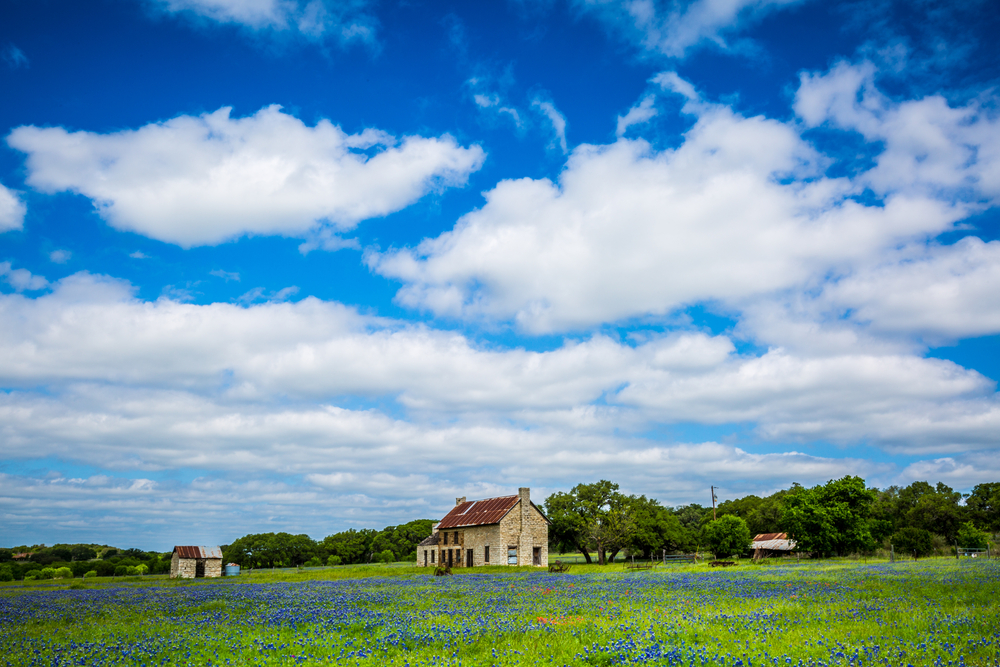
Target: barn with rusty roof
x,y
192,562
509,530
772,544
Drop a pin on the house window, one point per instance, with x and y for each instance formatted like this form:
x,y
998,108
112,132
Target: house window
x,y
432,556
425,557
486,554
511,555
446,538
456,537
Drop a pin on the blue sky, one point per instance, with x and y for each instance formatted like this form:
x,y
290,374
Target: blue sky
x,y
308,265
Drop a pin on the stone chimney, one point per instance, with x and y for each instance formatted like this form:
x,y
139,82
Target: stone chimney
x,y
524,493
459,501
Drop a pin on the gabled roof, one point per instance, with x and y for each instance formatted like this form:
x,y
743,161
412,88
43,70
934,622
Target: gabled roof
x,y
764,537
198,552
481,512
478,512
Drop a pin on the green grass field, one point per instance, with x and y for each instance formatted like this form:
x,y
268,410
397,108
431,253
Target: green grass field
x,y
933,612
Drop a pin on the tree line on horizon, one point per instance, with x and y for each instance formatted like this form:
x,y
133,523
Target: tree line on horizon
x,y
839,518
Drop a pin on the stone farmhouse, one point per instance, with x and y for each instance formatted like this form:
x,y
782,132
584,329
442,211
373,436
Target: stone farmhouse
x,y
192,562
509,530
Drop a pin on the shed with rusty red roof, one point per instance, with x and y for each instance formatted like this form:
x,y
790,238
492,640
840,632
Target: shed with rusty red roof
x,y
192,562
508,530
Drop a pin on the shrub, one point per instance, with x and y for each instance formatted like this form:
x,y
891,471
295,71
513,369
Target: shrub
x,y
121,571
313,562
911,540
46,573
728,535
88,575
333,560
63,573
31,576
970,537
6,574
386,556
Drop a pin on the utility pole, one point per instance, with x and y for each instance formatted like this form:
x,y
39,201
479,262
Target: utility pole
x,y
713,503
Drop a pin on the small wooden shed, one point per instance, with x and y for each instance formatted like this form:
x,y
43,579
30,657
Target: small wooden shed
x,y
193,562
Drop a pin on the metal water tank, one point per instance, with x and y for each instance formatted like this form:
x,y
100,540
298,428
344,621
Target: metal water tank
x,y
232,569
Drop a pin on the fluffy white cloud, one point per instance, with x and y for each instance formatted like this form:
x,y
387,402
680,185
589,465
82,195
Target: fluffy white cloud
x,y
206,179
930,146
673,28
12,210
151,514
21,279
344,21
737,211
941,293
305,354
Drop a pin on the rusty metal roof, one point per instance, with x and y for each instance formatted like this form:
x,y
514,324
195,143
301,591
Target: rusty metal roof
x,y
198,552
478,512
764,537
429,541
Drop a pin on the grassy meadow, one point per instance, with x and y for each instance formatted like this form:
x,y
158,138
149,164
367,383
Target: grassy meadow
x,y
930,612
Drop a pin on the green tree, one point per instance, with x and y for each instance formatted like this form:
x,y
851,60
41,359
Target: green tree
x,y
333,560
590,515
402,540
386,556
970,537
937,511
728,535
983,505
6,573
913,540
62,552
81,552
567,530
831,519
656,528
351,546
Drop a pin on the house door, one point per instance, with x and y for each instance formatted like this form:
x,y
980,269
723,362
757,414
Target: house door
x,y
536,556
450,561
468,558
199,568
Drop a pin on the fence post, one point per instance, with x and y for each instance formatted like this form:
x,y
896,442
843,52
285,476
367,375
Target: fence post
x,y
892,554
956,550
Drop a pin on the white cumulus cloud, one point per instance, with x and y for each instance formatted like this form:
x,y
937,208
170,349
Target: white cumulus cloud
x,y
12,210
675,27
205,179
343,21
930,146
738,210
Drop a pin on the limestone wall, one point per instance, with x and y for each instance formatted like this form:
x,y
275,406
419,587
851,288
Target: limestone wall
x,y
523,528
187,568
213,567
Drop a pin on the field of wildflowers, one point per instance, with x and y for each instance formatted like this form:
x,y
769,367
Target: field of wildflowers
x,y
935,612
